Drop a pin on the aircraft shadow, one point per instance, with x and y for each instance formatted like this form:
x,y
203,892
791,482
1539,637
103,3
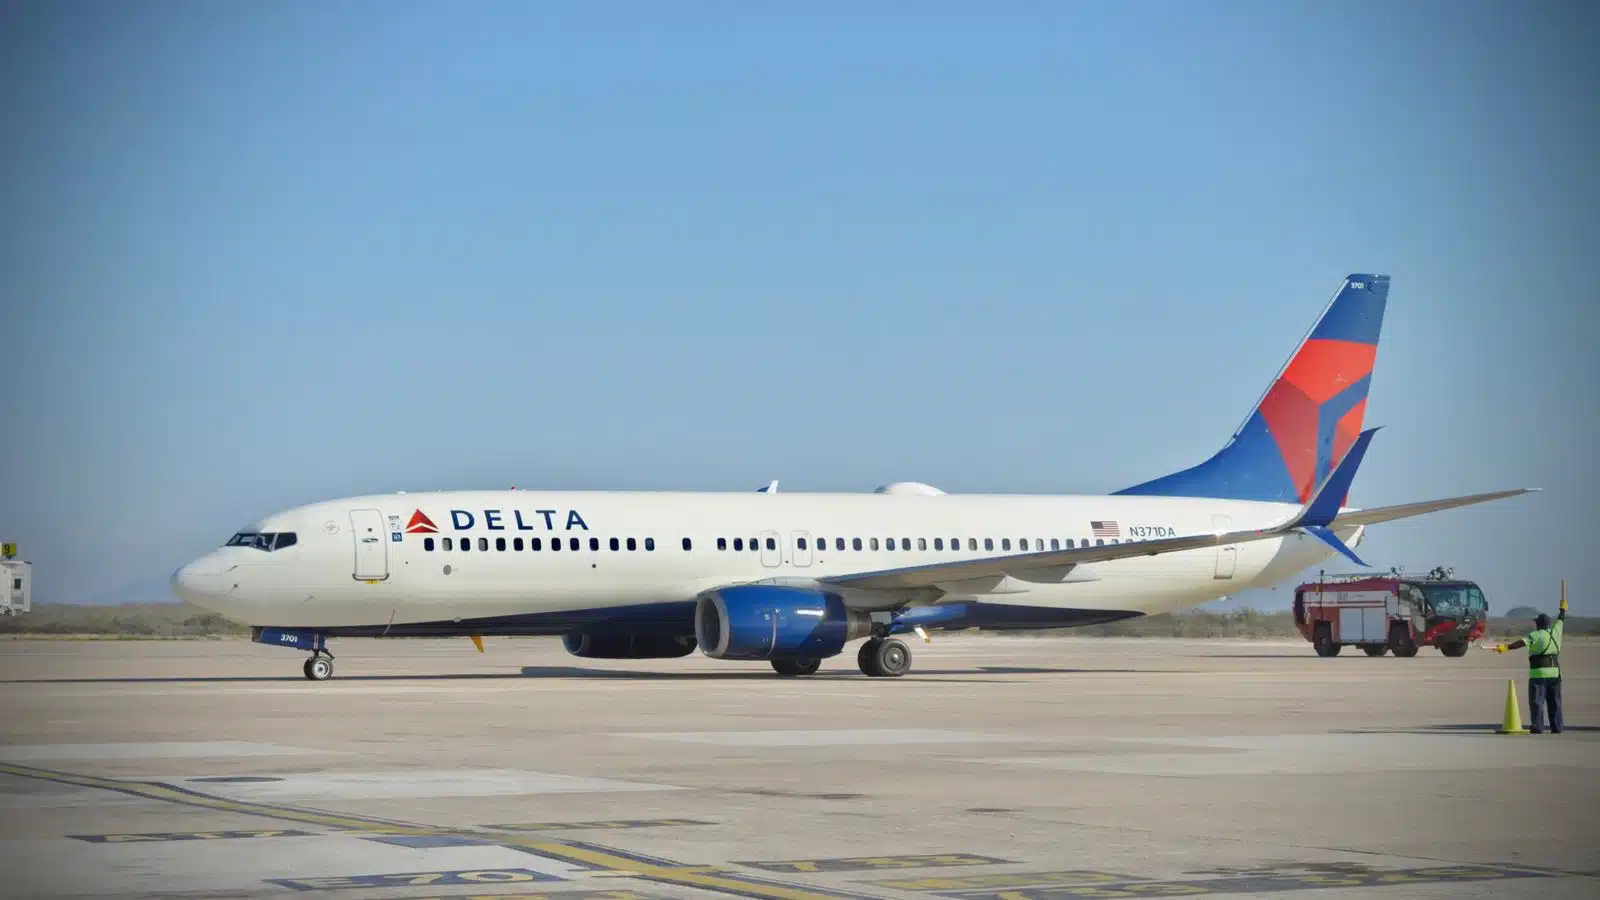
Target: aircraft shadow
x,y
574,672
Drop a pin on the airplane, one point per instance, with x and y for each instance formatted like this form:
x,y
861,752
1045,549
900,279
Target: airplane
x,y
791,578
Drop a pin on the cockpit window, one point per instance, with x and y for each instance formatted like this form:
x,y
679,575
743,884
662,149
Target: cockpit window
x,y
263,540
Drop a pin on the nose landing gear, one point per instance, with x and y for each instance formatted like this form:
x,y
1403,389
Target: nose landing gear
x,y
320,666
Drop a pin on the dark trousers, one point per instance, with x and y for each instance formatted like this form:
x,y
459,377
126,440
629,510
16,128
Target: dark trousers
x,y
1542,691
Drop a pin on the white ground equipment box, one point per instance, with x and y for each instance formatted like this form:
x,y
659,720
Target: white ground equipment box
x,y
16,594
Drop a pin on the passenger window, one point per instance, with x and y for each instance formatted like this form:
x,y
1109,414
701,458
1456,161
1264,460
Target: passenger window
x,y
1099,542
1005,543
873,543
988,543
687,544
500,544
447,543
856,543
594,543
555,544
738,543
800,543
922,543
838,544
649,543
722,543
772,543
633,544
483,544
572,543
427,544
466,544
888,543
516,544
1055,543
535,544
615,544
972,543
938,543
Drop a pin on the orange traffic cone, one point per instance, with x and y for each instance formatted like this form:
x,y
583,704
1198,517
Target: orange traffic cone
x,y
1512,723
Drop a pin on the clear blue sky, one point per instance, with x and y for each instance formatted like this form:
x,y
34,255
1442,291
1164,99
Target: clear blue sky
x,y
254,255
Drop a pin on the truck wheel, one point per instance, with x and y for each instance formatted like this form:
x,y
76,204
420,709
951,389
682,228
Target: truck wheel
x,y
1375,649
1453,650
1401,642
1322,640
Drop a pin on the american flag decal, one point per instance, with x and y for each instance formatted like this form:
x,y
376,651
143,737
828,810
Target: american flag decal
x,y
1105,529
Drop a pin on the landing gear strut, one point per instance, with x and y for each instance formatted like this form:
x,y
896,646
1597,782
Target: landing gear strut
x,y
320,666
884,658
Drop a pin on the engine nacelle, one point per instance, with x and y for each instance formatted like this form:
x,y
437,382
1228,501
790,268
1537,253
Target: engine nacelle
x,y
761,621
627,646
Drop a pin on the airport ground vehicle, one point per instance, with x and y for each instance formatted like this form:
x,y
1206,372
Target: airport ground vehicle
x,y
16,582
1390,612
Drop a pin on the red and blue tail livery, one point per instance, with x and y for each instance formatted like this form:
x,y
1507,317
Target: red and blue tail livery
x,y
1308,419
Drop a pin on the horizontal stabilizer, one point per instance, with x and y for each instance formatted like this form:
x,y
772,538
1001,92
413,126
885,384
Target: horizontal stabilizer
x,y
1324,505
1327,536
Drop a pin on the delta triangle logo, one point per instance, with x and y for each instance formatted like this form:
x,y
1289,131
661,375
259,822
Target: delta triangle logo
x,y
421,524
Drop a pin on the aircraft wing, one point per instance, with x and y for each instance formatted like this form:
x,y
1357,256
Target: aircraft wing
x,y
961,570
1407,510
1318,517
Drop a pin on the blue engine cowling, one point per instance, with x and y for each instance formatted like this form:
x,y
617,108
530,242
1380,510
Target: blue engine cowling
x,y
627,646
772,622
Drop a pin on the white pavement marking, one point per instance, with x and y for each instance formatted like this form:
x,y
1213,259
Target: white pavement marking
x,y
824,738
1298,753
26,753
408,784
62,866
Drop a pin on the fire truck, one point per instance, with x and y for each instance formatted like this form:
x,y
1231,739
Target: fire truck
x,y
1381,613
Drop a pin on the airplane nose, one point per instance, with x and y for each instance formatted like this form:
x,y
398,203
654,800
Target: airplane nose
x,y
200,584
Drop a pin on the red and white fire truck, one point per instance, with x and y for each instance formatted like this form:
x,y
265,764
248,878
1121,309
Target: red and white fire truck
x,y
1384,612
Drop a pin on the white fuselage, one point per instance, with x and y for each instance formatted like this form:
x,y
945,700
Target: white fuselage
x,y
354,563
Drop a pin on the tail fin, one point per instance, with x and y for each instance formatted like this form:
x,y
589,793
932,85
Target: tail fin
x,y
1309,417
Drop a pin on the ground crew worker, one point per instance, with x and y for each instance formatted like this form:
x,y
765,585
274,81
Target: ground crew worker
x,y
1544,668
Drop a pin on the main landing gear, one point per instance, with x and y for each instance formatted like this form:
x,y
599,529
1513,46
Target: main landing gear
x,y
796,665
884,658
320,666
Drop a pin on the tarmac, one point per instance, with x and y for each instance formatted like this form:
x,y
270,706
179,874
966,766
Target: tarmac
x,y
1025,768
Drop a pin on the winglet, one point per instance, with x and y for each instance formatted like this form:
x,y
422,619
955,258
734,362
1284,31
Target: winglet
x,y
771,488
1323,507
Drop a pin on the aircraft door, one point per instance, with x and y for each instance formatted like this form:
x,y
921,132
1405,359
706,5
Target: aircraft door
x,y
801,547
771,552
1228,555
372,551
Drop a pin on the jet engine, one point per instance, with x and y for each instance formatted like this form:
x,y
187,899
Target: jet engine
x,y
774,622
627,646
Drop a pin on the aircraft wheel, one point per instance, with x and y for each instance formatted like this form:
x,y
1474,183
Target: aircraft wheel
x,y
318,668
890,659
866,658
1375,649
799,665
